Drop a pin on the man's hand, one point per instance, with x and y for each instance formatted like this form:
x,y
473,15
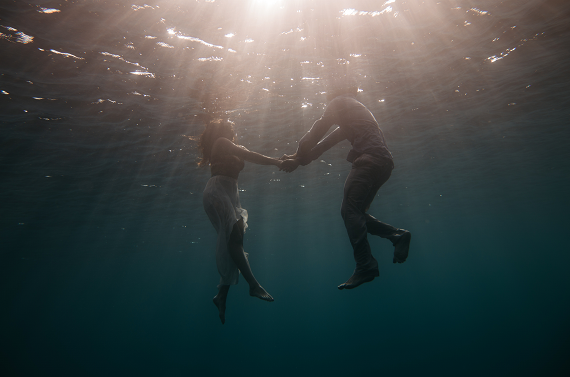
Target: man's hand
x,y
289,165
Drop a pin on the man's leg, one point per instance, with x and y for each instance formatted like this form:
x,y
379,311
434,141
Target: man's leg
x,y
400,237
359,187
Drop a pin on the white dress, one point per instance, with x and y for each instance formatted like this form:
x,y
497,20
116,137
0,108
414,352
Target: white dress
x,y
221,202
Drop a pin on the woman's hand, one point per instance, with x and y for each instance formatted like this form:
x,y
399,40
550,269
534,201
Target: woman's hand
x,y
289,165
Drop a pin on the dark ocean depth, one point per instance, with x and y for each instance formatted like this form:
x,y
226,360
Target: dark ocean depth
x,y
107,261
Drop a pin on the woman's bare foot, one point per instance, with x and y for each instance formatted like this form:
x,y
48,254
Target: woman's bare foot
x,y
258,291
221,305
220,302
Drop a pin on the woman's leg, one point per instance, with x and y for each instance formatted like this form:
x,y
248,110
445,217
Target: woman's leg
x,y
235,248
220,301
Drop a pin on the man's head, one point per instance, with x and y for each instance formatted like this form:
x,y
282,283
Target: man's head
x,y
338,85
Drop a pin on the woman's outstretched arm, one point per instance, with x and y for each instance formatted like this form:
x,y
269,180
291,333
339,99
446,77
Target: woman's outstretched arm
x,y
223,144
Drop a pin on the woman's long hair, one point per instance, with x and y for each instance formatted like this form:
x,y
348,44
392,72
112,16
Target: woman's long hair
x,y
214,130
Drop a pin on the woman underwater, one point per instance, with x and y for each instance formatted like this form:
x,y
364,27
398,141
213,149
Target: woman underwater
x,y
221,202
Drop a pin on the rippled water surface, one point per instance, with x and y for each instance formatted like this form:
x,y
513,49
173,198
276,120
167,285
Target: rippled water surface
x,y
107,257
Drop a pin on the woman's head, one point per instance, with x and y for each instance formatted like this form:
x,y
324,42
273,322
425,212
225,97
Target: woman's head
x,y
213,131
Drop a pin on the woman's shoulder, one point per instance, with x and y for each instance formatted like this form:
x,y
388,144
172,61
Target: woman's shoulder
x,y
226,146
225,150
222,146
222,141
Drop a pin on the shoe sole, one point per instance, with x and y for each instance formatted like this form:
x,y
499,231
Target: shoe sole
x,y
404,249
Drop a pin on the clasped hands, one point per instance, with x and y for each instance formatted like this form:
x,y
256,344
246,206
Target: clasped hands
x,y
291,162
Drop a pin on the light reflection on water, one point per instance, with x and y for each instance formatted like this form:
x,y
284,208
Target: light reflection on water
x,y
66,54
15,35
48,10
242,53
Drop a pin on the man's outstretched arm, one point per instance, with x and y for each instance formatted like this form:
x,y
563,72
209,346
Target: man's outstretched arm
x,y
312,137
327,143
324,145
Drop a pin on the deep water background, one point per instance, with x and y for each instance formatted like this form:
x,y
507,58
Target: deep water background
x,y
107,257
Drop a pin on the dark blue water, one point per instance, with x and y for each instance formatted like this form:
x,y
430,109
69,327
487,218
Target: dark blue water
x,y
107,257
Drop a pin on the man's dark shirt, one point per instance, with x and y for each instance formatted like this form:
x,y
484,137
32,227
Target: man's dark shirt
x,y
360,126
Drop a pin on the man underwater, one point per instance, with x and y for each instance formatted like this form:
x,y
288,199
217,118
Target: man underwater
x,y
372,165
